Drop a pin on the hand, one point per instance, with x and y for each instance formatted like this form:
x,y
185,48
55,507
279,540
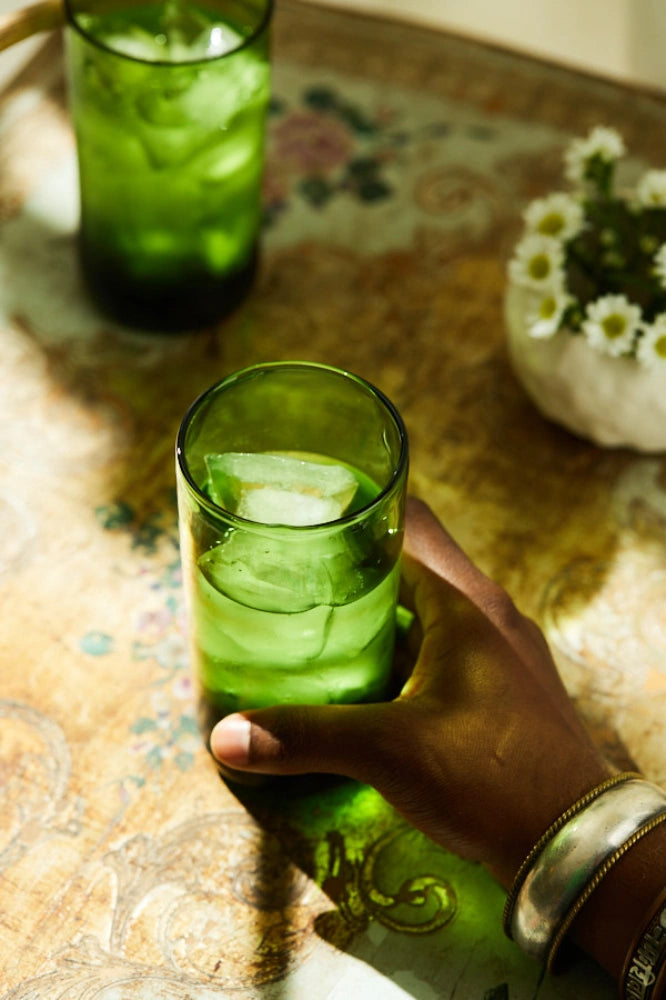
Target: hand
x,y
482,748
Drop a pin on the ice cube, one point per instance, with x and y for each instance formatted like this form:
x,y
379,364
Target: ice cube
x,y
261,572
252,572
184,35
135,43
190,35
229,630
280,489
220,39
271,505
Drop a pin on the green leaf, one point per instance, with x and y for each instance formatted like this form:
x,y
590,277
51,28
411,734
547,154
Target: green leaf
x,y
373,190
188,724
115,515
143,725
356,120
321,98
316,190
363,167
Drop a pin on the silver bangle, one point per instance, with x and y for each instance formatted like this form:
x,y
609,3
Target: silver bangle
x,y
569,861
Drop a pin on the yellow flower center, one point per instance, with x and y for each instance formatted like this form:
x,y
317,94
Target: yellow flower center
x,y
551,224
614,326
660,346
539,266
547,307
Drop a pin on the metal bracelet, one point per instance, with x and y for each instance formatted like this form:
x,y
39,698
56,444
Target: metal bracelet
x,y
570,860
555,826
646,959
592,885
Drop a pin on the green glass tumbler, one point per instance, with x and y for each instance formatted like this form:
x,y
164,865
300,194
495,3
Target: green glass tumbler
x,y
304,611
169,101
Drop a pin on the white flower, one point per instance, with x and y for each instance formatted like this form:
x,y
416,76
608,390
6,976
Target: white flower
x,y
611,324
651,350
651,189
538,262
659,262
558,214
603,142
545,320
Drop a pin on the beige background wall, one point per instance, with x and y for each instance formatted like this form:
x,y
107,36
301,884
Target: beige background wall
x,y
623,39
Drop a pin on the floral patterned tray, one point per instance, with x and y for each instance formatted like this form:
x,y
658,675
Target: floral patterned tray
x,y
398,162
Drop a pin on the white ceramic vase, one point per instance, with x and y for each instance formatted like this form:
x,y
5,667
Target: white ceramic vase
x,y
615,402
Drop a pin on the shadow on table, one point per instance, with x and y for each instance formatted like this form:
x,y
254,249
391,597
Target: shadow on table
x,y
374,868
411,918
370,868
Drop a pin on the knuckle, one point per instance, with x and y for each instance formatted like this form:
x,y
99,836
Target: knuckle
x,y
502,610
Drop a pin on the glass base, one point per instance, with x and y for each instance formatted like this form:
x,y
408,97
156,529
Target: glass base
x,y
159,305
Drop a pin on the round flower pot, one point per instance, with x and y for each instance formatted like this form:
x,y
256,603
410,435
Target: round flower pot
x,y
612,401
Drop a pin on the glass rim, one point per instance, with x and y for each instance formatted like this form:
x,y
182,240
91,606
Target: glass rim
x,y
262,526
71,17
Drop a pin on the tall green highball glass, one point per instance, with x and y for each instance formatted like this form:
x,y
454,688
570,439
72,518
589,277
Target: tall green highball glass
x,y
169,100
291,490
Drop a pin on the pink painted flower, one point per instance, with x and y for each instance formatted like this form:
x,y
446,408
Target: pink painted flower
x,y
311,143
182,688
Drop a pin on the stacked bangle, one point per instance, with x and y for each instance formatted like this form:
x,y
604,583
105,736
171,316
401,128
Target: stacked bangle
x,y
644,971
573,856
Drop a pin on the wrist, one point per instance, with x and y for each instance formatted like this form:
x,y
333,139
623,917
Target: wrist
x,y
540,808
597,877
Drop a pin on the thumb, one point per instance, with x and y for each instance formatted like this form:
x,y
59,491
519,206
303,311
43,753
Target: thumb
x,y
297,739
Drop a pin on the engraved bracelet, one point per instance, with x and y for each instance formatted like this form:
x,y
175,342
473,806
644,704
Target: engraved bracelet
x,y
580,853
646,957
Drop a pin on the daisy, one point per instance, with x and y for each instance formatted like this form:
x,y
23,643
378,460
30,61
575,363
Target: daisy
x,y
651,350
538,262
611,324
659,262
604,143
558,214
545,321
651,189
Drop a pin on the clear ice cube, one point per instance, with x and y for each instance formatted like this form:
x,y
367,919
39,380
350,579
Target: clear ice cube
x,y
280,489
271,505
227,625
200,114
184,35
266,574
189,34
220,39
285,575
136,43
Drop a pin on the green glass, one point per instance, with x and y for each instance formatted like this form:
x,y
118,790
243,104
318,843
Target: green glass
x,y
169,101
300,613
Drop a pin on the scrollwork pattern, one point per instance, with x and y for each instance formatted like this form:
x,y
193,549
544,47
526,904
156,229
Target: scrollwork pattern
x,y
35,768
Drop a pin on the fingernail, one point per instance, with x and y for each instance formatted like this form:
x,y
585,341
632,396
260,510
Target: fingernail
x,y
230,741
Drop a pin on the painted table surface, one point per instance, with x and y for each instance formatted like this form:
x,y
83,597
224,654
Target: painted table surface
x,y
399,160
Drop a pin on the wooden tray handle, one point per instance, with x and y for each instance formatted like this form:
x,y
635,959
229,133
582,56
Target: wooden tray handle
x,y
19,24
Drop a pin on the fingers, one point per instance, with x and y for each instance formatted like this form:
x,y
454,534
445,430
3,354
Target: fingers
x,y
427,542
298,739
